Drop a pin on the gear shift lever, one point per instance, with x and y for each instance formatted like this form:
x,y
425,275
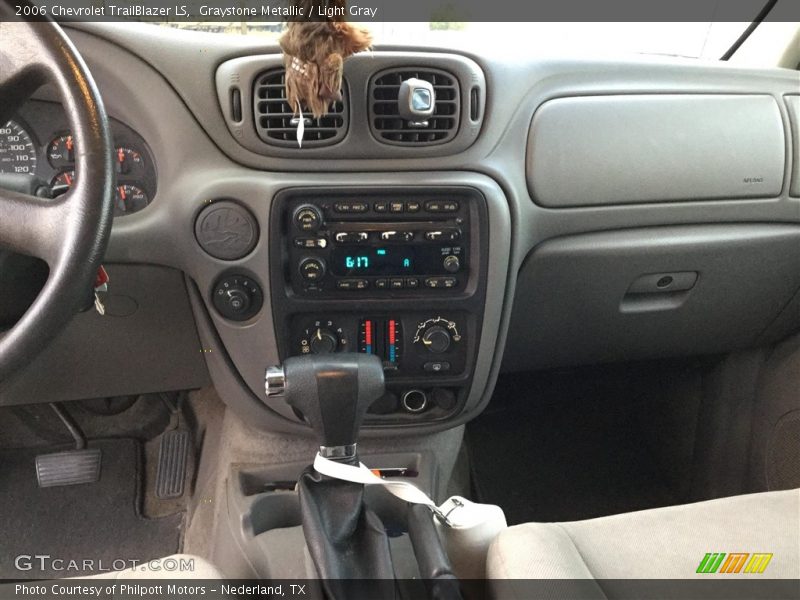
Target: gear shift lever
x,y
346,540
333,392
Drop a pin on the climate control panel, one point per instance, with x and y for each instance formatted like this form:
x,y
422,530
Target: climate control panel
x,y
394,272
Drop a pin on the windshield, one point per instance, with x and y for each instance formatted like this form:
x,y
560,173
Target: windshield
x,y
704,40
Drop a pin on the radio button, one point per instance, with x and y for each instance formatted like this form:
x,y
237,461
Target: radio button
x,y
310,242
312,269
381,284
396,284
396,207
359,207
391,236
439,206
351,236
412,207
412,283
352,284
449,235
441,282
308,218
380,207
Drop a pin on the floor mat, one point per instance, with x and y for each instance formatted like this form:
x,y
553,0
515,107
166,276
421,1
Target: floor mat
x,y
96,522
563,448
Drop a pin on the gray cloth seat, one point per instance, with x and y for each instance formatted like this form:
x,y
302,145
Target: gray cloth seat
x,y
662,543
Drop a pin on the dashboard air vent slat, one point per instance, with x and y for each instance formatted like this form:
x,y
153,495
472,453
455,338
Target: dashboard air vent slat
x,y
273,115
385,120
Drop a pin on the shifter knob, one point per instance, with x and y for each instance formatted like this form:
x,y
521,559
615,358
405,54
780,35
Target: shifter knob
x,y
333,393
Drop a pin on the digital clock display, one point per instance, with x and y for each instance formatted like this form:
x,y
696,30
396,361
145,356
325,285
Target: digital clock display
x,y
358,260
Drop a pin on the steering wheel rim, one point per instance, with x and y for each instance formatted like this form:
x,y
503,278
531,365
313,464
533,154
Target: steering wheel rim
x,y
70,233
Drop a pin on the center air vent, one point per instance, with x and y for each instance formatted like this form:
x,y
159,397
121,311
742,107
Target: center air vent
x,y
390,128
273,116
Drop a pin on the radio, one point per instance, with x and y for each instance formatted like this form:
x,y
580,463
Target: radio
x,y
372,245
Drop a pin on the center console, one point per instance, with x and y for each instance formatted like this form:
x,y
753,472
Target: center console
x,y
397,272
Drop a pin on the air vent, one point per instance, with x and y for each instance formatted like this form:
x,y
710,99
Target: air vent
x,y
385,120
273,116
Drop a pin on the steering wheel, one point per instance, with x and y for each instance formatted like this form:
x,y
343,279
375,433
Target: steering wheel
x,y
70,232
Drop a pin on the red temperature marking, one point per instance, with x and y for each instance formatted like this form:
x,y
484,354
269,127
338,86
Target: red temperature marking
x,y
392,332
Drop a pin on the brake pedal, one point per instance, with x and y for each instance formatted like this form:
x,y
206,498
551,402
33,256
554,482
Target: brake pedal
x,y
173,454
68,468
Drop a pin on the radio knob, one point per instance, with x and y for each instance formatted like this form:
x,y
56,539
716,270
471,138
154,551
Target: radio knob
x,y
451,264
312,269
324,341
308,217
436,339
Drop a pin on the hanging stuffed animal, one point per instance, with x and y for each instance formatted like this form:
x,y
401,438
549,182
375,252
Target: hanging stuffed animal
x,y
314,53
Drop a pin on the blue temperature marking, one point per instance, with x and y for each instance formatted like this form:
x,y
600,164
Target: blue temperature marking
x,y
392,353
369,348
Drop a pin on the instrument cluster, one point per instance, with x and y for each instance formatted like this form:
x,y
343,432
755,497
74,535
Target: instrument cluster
x,y
38,142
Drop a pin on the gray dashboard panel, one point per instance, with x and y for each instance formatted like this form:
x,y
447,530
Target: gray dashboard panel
x,y
578,301
793,102
146,342
615,149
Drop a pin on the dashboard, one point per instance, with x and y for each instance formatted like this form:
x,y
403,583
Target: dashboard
x,y
38,142
524,229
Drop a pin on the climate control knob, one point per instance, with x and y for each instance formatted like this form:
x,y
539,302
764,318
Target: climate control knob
x,y
436,339
436,335
323,341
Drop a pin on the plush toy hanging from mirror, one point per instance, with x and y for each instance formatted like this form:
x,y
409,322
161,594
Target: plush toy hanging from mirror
x,y
314,51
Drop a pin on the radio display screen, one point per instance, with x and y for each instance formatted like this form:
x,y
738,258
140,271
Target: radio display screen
x,y
361,260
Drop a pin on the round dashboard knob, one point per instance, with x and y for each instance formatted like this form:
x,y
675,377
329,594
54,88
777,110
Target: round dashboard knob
x,y
451,264
307,217
238,299
324,341
436,339
312,269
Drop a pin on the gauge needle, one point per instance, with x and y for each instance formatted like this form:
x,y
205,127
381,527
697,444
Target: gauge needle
x,y
319,333
68,179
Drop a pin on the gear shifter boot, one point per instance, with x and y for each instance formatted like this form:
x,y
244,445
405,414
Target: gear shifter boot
x,y
346,540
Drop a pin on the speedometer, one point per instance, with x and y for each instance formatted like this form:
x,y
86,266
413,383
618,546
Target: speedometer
x,y
17,151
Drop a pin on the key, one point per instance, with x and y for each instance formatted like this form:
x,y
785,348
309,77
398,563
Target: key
x,y
100,285
98,304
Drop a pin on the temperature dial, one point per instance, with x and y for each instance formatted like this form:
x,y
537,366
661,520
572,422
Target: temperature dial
x,y
323,337
437,334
